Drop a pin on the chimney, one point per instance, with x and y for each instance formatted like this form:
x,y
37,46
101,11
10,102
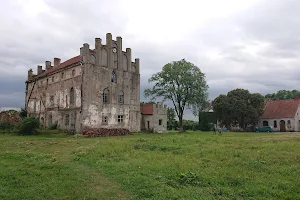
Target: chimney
x,y
30,74
39,69
48,65
56,62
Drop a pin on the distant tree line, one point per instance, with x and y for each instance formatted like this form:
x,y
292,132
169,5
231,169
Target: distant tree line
x,y
283,95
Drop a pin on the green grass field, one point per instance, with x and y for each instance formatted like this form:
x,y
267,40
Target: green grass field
x,y
191,165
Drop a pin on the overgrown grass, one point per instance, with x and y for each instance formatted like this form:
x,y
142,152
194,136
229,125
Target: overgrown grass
x,y
189,165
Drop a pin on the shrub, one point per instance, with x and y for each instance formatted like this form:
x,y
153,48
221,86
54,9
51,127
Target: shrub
x,y
23,113
6,126
29,126
53,126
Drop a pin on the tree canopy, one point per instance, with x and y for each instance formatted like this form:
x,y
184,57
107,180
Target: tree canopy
x,y
181,82
239,107
283,94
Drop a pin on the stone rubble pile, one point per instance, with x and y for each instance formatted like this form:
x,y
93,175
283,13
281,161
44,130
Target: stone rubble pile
x,y
102,132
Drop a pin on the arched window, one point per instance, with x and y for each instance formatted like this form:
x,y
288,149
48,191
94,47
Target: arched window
x,y
289,124
265,123
73,72
121,97
113,77
72,96
275,124
105,95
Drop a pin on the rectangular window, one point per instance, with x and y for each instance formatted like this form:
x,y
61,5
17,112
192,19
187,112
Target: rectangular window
x,y
67,120
105,95
51,101
160,122
104,119
120,118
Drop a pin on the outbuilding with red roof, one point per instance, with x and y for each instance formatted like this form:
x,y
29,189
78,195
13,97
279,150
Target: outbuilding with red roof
x,y
282,115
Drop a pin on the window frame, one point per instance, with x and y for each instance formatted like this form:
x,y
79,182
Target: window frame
x,y
105,97
72,96
52,101
120,119
121,98
114,77
104,119
160,122
67,119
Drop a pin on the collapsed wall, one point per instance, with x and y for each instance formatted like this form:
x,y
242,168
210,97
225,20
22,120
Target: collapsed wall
x,y
10,116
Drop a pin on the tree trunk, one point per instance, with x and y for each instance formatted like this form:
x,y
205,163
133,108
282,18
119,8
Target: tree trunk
x,y
180,123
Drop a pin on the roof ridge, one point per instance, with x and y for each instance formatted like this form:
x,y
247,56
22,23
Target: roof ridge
x,y
61,65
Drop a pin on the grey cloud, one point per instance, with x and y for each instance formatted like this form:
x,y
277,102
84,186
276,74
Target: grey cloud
x,y
222,47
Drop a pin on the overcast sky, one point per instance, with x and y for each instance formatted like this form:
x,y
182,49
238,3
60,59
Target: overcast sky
x,y
251,44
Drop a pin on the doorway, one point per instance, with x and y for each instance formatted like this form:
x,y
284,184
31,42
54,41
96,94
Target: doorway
x,y
282,126
148,125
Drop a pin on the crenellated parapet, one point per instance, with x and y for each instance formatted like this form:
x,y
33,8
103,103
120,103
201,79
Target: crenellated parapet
x,y
110,55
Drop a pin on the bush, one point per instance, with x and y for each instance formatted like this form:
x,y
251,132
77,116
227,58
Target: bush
x,y
29,126
6,126
23,113
53,126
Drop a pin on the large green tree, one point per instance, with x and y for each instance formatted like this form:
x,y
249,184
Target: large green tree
x,y
239,107
181,82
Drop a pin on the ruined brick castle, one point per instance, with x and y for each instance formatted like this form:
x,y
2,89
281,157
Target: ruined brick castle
x,y
100,88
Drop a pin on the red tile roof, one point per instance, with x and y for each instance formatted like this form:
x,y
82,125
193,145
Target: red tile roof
x,y
62,65
281,109
147,109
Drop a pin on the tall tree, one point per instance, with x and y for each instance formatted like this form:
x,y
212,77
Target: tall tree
x,y
239,107
180,82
